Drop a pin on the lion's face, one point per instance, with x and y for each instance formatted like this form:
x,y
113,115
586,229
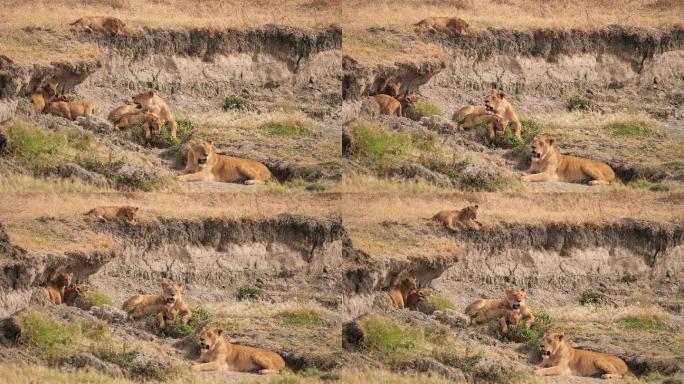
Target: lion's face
x,y
143,99
550,343
394,88
409,283
50,89
424,292
470,212
155,123
515,297
497,124
128,212
494,101
210,337
171,292
81,288
541,145
202,150
64,279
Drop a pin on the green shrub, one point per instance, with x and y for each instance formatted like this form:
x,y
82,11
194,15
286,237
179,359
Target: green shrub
x,y
464,362
592,297
440,302
644,322
235,103
521,334
199,318
302,317
248,292
290,127
630,129
389,338
157,372
437,162
98,298
40,148
528,129
106,168
139,182
121,357
578,103
643,184
377,144
427,109
47,334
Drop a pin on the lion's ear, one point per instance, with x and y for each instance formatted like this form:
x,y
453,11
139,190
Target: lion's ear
x,y
219,331
551,141
522,290
560,337
150,93
502,94
476,206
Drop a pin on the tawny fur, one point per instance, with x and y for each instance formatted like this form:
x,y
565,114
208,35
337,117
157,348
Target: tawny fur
x,y
509,318
73,291
399,292
151,102
141,305
416,296
106,24
407,102
459,219
387,105
488,309
151,122
496,103
43,95
549,165
559,358
116,113
55,287
461,114
206,165
444,24
114,213
496,125
392,89
58,108
81,108
217,354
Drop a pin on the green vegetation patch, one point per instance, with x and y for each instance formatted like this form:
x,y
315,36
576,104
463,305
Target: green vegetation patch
x,y
528,129
440,302
427,109
522,334
300,317
289,127
591,297
578,103
377,144
391,339
98,298
235,103
630,129
47,334
248,292
200,318
643,322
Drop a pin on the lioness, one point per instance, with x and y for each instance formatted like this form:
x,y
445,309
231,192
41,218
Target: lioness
x,y
458,219
392,89
113,213
407,102
217,354
417,295
151,122
55,287
106,24
495,102
72,291
495,123
559,358
116,113
399,292
211,166
487,309
142,305
58,108
43,95
167,314
509,318
444,24
151,102
461,114
80,108
387,105
549,165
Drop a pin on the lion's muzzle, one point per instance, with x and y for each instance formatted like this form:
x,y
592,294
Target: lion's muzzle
x,y
516,306
170,300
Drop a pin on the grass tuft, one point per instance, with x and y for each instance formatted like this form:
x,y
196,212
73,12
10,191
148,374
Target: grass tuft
x,y
98,298
522,334
642,322
440,302
591,297
390,338
299,317
288,127
235,103
634,128
427,109
248,292
199,318
377,144
578,103
47,334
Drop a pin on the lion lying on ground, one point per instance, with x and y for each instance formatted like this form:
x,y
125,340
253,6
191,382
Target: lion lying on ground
x,y
55,287
124,214
43,95
387,105
70,110
210,166
461,114
217,354
444,24
459,219
549,165
496,103
559,358
487,309
106,24
116,113
141,305
151,122
496,125
399,292
151,102
416,296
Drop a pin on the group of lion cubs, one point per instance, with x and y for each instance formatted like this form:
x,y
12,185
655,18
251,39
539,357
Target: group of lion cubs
x,y
216,352
150,110
558,356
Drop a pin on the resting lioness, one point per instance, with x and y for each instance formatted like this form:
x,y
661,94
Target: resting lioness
x,y
73,291
211,166
461,114
142,305
217,354
115,115
458,219
387,105
559,358
399,292
114,213
444,24
549,165
107,24
487,309
496,103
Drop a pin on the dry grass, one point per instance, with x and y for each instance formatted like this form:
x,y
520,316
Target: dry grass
x,y
387,49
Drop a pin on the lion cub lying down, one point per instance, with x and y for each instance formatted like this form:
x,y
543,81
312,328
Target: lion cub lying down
x,y
168,304
106,24
217,354
207,165
455,220
549,165
416,296
399,292
559,358
124,214
444,24
488,309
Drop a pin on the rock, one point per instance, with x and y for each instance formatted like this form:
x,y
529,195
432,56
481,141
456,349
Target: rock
x,y
9,331
352,336
430,365
83,303
419,172
109,313
489,366
425,307
146,365
439,124
95,124
302,360
452,318
75,171
85,360
382,302
413,113
644,365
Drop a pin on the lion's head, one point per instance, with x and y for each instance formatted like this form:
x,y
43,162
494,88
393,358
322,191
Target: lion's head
x,y
202,151
494,101
551,343
50,89
155,122
128,212
142,100
497,124
409,283
541,146
458,24
423,292
469,212
64,279
80,289
393,89
171,292
210,337
515,297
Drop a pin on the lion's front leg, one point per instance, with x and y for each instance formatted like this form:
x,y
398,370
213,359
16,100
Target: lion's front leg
x,y
543,176
212,366
197,176
552,371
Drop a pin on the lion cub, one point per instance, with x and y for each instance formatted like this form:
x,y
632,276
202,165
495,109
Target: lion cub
x,y
455,220
43,95
217,354
141,305
55,287
416,296
559,358
149,120
72,291
151,102
487,309
495,123
124,214
496,103
387,105
106,24
444,25
399,292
